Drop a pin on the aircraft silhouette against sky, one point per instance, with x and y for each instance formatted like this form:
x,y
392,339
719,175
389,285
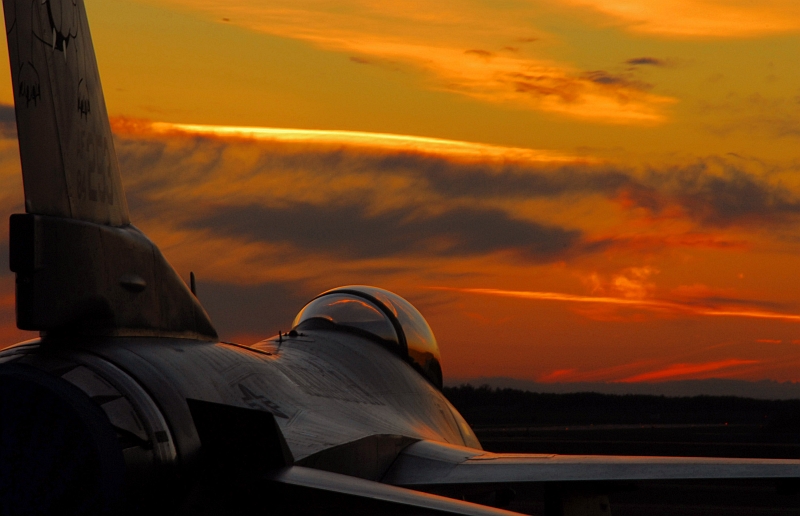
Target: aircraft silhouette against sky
x,y
129,403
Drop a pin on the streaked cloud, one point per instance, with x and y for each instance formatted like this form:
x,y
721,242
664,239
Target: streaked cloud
x,y
700,18
649,304
688,370
649,371
464,49
393,142
595,375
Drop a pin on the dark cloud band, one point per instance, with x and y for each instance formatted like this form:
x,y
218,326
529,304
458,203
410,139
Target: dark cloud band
x,y
349,231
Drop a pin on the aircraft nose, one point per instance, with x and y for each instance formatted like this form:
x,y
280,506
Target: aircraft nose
x,y
58,452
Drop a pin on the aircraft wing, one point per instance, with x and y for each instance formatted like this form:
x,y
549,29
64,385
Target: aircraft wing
x,y
431,478
327,490
427,464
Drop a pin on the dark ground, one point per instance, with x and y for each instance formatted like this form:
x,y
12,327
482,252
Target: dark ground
x,y
508,420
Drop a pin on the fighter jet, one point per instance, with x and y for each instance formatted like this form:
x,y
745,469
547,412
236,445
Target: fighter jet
x,y
128,403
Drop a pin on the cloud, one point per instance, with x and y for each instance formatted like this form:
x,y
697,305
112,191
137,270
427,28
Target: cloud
x,y
557,376
700,18
646,61
702,308
595,375
358,195
651,371
675,371
312,206
633,282
717,192
703,294
349,231
397,142
673,240
377,172
518,180
480,53
457,47
610,79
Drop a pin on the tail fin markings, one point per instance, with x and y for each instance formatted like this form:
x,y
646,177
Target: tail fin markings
x,y
69,165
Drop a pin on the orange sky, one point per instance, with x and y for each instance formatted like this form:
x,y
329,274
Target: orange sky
x,y
569,190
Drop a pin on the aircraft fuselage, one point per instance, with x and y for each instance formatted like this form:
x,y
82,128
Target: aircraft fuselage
x,y
325,389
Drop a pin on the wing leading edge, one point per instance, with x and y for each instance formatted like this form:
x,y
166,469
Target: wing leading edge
x,y
427,463
360,496
434,478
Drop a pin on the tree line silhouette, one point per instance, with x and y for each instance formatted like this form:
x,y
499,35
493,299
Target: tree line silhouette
x,y
485,406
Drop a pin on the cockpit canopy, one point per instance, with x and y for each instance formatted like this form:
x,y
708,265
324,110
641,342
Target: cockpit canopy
x,y
381,316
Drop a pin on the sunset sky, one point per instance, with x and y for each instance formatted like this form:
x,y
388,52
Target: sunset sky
x,y
569,190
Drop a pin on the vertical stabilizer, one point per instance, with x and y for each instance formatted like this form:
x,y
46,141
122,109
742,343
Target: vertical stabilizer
x,y
81,267
69,165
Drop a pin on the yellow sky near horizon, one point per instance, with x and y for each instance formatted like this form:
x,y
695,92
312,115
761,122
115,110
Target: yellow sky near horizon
x,y
591,191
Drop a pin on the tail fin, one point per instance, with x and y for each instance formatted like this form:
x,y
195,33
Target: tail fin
x,y
81,267
69,166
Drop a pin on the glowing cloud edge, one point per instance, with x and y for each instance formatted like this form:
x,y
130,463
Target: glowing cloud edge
x,y
646,304
365,139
